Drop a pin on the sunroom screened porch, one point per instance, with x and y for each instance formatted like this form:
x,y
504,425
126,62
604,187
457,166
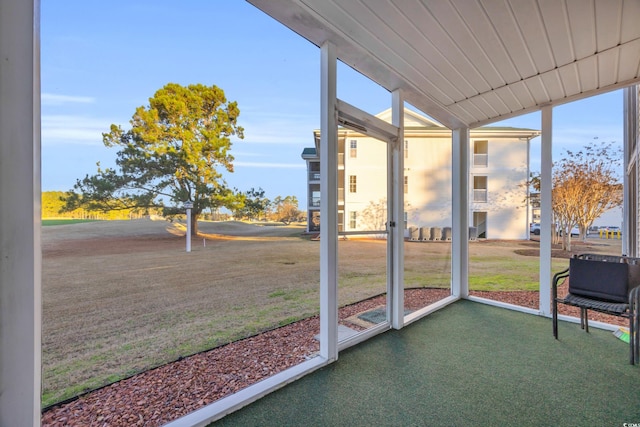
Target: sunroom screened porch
x,y
464,63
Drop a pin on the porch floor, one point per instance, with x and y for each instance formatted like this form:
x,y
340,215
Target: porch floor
x,y
467,364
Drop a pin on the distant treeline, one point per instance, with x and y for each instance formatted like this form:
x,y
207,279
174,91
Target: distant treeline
x,y
52,206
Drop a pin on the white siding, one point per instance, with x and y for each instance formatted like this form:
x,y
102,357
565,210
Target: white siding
x,y
428,168
507,176
370,170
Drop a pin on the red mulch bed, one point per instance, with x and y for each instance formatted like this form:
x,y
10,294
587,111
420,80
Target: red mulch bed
x,y
160,395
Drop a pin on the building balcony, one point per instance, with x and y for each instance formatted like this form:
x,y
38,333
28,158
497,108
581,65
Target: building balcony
x,y
480,160
480,196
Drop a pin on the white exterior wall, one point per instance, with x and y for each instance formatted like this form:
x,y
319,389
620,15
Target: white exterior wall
x,y
506,173
428,168
370,168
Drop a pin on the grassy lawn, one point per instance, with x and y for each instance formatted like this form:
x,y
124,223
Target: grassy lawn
x,y
491,273
64,221
121,297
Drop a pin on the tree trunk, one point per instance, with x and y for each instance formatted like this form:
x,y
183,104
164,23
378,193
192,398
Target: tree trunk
x,y
194,224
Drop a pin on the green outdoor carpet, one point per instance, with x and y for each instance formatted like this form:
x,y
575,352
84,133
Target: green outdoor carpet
x,y
467,364
377,315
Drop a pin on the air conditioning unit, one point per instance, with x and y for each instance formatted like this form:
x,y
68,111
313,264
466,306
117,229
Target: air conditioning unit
x,y
414,233
446,233
473,233
425,233
436,233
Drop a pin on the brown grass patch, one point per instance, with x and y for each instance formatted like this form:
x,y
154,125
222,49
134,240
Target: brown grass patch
x,y
122,297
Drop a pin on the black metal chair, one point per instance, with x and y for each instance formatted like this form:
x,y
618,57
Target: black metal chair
x,y
607,284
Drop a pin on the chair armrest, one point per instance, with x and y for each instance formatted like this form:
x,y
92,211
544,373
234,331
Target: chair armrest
x,y
556,278
560,275
634,297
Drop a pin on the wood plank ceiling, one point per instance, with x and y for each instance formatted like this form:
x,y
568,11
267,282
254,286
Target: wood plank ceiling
x,y
473,62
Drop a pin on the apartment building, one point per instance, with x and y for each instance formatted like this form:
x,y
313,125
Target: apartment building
x,y
499,169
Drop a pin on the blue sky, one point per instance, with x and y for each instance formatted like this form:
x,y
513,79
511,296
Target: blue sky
x,y
101,60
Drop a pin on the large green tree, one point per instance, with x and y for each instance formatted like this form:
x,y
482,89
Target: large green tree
x,y
255,206
174,153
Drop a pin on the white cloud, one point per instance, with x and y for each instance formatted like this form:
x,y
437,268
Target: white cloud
x,y
69,129
271,165
55,99
279,133
278,128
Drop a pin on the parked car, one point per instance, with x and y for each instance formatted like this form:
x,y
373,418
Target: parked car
x,y
575,231
534,228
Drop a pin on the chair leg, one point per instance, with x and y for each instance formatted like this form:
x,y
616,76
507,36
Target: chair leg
x,y
632,340
634,336
555,318
636,341
634,325
584,315
581,318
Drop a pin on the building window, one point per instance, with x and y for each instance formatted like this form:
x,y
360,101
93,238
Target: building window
x,y
406,148
479,225
353,185
353,148
406,184
480,189
315,199
481,154
352,220
406,220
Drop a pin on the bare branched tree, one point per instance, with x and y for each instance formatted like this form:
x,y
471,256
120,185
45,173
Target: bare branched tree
x,y
586,184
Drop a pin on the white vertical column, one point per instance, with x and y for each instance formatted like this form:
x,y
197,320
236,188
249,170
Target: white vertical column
x,y
309,195
20,253
546,162
528,192
189,227
629,204
460,214
328,205
395,242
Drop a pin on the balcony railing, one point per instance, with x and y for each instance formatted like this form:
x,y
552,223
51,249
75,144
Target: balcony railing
x,y
480,160
314,176
314,202
480,195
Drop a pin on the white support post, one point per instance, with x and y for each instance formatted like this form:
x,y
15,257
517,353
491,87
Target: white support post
x,y
189,230
629,204
20,246
460,214
328,205
546,226
188,206
395,242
